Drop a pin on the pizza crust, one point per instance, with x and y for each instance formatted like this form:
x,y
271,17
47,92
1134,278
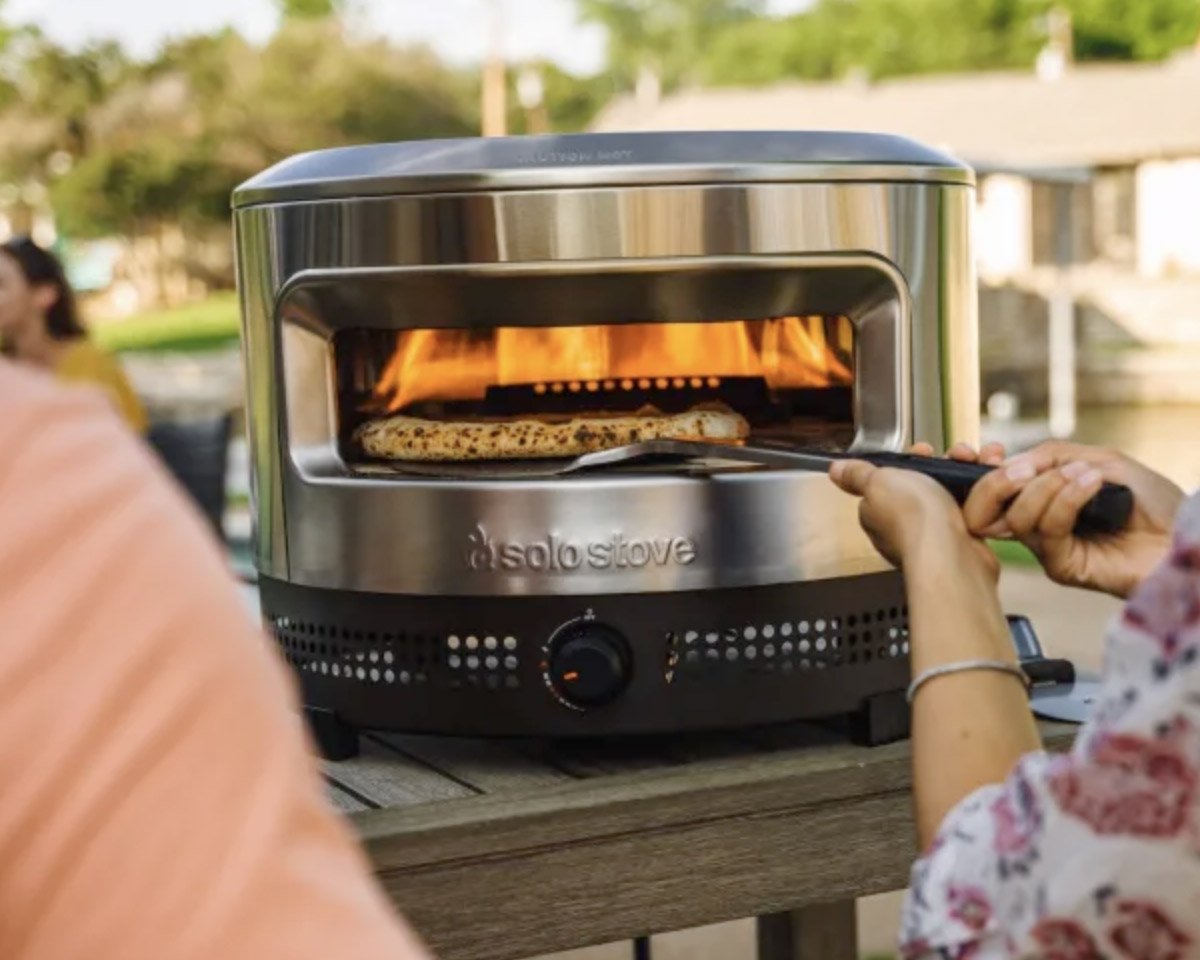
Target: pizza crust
x,y
417,439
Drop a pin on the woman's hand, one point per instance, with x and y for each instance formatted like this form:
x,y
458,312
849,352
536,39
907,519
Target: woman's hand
x,y
906,514
1055,480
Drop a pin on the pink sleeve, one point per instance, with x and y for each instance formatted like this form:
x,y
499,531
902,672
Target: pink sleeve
x,y
159,796
1096,853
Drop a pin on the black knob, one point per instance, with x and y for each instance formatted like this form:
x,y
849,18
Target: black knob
x,y
588,664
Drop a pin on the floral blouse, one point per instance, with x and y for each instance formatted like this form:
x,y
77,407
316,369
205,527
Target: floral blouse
x,y
1096,853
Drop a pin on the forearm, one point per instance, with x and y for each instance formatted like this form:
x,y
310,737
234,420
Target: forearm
x,y
970,728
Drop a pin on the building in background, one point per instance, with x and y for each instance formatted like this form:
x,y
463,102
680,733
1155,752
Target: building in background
x,y
1108,155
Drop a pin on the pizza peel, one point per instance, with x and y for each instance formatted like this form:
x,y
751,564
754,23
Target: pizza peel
x,y
1106,513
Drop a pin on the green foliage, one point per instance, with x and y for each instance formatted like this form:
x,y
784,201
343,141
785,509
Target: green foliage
x,y
308,9
669,37
211,111
1139,30
206,325
895,37
571,101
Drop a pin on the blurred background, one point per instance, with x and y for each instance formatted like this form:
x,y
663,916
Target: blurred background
x,y
125,125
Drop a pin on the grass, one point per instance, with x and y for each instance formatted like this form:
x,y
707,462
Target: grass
x,y
1013,554
206,325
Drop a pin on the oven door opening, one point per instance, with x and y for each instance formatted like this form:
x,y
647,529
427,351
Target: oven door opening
x,y
640,349
788,377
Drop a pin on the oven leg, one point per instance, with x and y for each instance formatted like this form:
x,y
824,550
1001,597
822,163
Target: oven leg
x,y
641,948
826,931
335,739
882,718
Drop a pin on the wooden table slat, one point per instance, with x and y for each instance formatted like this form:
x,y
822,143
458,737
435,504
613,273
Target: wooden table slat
x,y
618,855
486,766
385,778
343,801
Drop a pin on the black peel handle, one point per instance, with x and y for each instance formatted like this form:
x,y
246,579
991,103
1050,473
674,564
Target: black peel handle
x,y
1105,514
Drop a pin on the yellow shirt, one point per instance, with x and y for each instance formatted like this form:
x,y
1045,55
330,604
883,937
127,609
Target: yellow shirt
x,y
85,363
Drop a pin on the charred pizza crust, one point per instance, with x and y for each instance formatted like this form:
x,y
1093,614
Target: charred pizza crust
x,y
417,439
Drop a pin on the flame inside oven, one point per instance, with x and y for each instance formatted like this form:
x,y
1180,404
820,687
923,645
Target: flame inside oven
x,y
784,353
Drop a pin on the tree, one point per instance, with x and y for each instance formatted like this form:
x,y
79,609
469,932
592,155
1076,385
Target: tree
x,y
897,37
669,38
308,9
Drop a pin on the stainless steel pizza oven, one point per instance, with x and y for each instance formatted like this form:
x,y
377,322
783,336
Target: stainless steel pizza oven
x,y
819,284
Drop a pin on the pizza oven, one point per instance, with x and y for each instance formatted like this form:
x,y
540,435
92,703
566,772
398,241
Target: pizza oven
x,y
817,285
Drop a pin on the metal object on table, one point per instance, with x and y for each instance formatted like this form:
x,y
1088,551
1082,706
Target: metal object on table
x,y
359,270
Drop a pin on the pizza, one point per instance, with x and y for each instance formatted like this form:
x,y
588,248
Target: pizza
x,y
418,439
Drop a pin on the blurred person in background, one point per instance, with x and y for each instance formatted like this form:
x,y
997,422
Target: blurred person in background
x,y
40,325
1093,854
160,801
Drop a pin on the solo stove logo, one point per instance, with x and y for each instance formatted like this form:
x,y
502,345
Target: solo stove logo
x,y
556,554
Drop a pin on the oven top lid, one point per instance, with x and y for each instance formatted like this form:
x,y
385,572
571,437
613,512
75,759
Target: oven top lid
x,y
599,160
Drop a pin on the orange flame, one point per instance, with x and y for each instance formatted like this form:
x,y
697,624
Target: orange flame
x,y
787,352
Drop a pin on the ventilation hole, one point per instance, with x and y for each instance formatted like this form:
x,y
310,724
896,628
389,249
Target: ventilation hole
x,y
803,646
453,642
785,629
711,638
692,656
491,663
750,633
337,670
750,652
472,663
803,627
374,656
786,647
374,675
904,647
866,656
768,631
768,650
711,654
852,621
820,644
691,637
454,661
324,668
490,643
894,613
510,662
389,676
360,674
731,653
787,666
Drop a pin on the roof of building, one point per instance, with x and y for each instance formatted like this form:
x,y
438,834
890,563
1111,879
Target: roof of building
x,y
1091,115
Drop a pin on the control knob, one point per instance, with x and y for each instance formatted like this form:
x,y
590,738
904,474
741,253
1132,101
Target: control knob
x,y
588,664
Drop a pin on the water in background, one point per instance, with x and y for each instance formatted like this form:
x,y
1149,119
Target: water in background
x,y
1164,438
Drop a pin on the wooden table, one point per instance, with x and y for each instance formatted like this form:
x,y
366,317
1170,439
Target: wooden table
x,y
500,851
